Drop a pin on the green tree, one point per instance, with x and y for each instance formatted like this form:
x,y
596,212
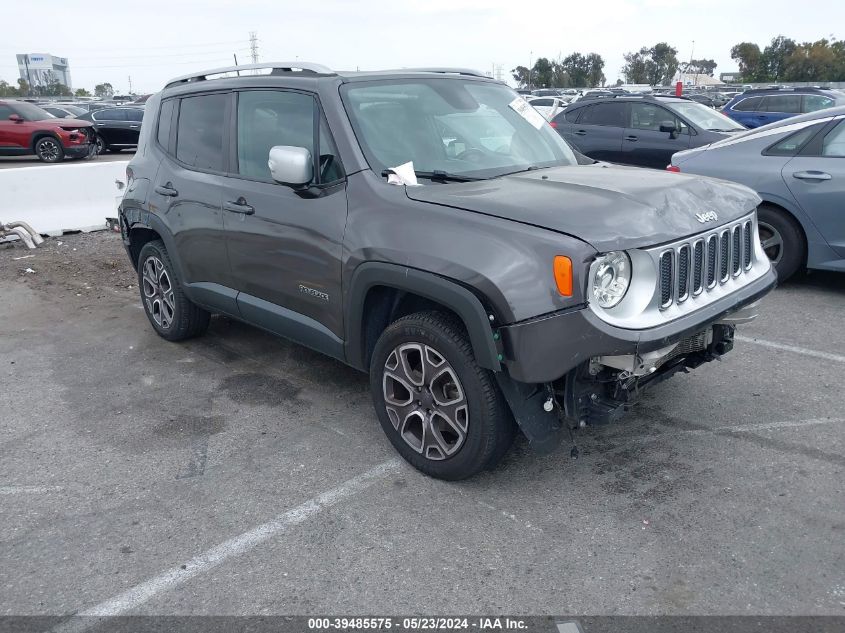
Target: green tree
x,y
81,92
23,87
812,61
775,56
699,67
748,57
103,90
595,76
655,66
520,76
542,75
6,90
577,67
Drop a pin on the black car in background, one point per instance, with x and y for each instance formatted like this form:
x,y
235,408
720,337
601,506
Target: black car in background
x,y
641,130
117,128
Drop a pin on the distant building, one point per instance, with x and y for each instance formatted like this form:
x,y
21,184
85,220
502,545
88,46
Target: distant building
x,y
42,69
729,78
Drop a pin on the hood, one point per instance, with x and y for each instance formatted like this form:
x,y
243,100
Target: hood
x,y
608,206
68,124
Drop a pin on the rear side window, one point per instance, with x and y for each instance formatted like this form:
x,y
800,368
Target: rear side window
x,y
165,119
748,105
812,103
611,114
794,142
571,116
134,114
781,103
199,137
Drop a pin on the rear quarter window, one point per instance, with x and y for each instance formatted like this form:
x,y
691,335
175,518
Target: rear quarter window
x,y
165,119
751,104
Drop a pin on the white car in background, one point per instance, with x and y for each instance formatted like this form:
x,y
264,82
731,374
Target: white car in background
x,y
549,107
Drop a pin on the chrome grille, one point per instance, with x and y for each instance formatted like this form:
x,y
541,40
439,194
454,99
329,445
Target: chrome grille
x,y
666,266
698,267
705,262
683,272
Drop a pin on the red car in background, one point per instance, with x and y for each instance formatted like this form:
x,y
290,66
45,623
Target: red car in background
x,y
26,129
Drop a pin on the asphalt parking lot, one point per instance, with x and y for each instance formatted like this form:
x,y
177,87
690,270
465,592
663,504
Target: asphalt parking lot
x,y
241,474
9,162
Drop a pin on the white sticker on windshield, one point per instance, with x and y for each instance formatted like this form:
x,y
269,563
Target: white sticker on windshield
x,y
527,112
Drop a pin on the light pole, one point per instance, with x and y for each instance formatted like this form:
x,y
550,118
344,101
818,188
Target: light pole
x,y
530,59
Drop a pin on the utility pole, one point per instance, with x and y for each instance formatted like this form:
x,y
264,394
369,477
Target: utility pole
x,y
530,59
253,46
130,84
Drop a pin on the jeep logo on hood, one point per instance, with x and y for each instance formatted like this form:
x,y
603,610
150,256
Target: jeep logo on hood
x,y
708,216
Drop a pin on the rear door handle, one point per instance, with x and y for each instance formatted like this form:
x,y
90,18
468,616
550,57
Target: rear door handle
x,y
580,132
166,190
239,207
631,138
811,175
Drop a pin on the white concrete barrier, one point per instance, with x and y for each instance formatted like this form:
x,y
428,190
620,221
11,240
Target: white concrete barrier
x,y
64,197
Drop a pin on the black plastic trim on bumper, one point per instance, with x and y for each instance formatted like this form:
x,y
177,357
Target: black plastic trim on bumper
x,y
544,349
75,151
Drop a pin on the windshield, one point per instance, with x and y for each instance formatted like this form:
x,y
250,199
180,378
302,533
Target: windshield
x,y
462,128
31,112
707,118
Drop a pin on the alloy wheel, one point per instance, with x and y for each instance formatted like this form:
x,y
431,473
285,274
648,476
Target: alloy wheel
x,y
771,241
48,150
101,144
425,400
158,292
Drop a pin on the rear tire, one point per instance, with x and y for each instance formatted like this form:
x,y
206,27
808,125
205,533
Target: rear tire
x,y
173,316
102,146
49,149
782,240
442,412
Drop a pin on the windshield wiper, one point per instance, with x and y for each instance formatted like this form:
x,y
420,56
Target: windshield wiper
x,y
438,176
519,171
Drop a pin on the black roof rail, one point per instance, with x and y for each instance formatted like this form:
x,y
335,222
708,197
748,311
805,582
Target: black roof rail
x,y
630,95
277,68
445,70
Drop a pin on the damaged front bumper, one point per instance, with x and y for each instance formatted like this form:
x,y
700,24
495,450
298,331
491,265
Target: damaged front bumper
x,y
572,366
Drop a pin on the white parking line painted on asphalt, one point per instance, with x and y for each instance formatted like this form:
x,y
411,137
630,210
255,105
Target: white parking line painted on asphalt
x,y
791,348
765,426
167,580
27,490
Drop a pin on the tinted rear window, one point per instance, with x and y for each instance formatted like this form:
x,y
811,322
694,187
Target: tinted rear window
x,y
199,139
110,115
134,114
751,104
612,114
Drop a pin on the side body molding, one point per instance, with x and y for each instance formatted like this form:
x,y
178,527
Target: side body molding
x,y
439,289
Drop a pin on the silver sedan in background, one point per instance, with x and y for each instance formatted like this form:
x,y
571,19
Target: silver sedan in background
x,y
797,166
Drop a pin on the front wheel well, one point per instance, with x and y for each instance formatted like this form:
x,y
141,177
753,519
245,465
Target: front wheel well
x,y
138,237
37,136
383,305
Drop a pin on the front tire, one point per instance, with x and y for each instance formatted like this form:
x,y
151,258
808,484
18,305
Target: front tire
x,y
442,412
782,240
49,150
173,316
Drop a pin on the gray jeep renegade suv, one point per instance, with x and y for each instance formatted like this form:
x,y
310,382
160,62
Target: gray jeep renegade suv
x,y
516,285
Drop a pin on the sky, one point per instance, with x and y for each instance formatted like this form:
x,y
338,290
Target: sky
x,y
154,40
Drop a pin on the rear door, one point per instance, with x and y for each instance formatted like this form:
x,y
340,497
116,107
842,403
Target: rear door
x,y
643,143
816,177
111,125
284,242
134,116
599,129
187,193
7,140
777,107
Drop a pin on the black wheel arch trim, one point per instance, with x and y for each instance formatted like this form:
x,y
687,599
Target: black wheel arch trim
x,y
39,134
439,289
138,219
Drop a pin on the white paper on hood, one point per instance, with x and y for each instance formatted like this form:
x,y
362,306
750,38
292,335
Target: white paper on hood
x,y
402,175
527,112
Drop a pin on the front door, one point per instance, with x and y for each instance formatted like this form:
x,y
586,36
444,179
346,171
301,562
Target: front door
x,y
818,183
643,143
285,242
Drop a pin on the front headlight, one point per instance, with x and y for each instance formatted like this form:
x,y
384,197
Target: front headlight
x,y
611,278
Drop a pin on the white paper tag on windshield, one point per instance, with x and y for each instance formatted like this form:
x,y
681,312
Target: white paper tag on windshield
x,y
527,112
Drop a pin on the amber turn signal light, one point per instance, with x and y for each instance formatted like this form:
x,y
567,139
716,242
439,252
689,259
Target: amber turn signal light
x,y
563,275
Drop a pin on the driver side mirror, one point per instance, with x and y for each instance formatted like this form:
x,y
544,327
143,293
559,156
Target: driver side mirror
x,y
291,165
670,128
16,118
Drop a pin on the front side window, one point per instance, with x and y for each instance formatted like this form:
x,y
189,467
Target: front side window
x,y
272,117
647,116
781,103
705,118
199,136
610,114
459,127
134,114
5,112
111,114
812,103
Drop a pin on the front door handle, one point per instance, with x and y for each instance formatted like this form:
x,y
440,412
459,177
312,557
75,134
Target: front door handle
x,y
811,175
580,132
631,138
166,190
239,207
134,126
